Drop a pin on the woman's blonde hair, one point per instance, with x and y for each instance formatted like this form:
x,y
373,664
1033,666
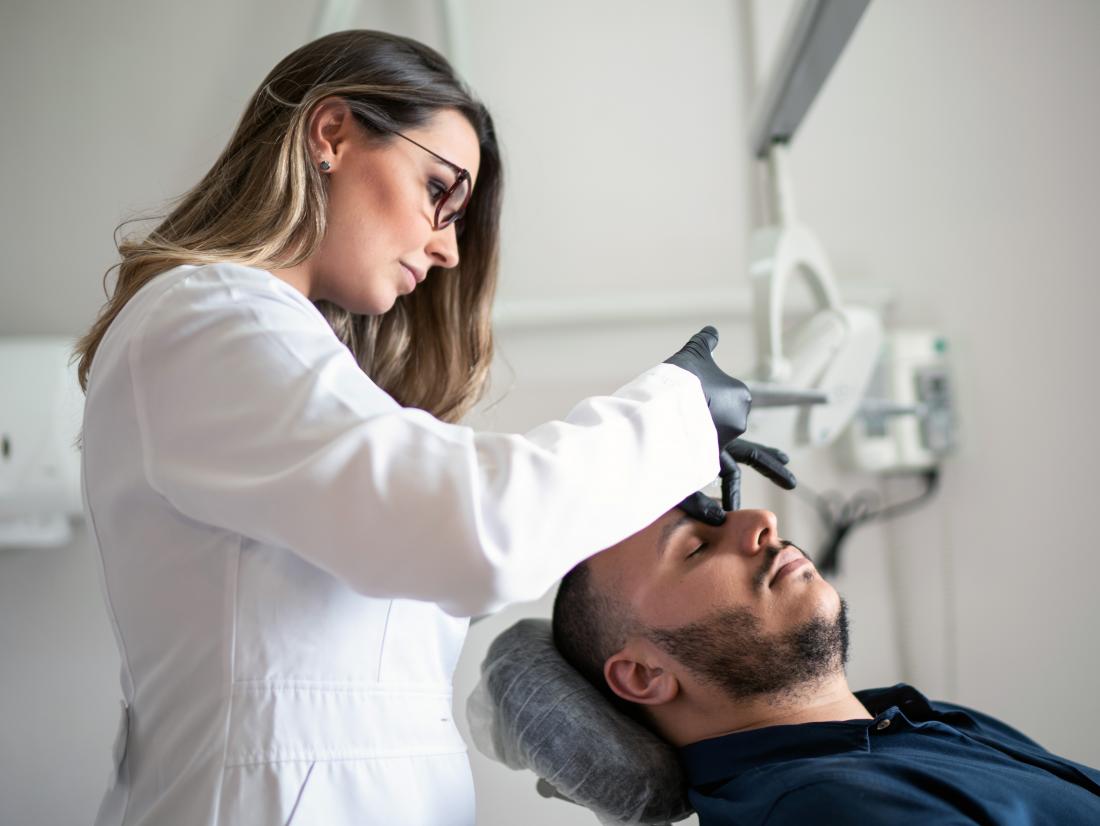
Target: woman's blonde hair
x,y
262,204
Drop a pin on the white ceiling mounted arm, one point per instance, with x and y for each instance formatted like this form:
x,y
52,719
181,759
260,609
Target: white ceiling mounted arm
x,y
832,354
779,253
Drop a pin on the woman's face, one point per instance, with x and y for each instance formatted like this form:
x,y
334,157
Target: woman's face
x,y
379,241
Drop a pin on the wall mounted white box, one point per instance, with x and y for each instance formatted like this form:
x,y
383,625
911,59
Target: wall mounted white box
x,y
914,372
41,409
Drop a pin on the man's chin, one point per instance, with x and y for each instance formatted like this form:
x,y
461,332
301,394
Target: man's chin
x,y
819,601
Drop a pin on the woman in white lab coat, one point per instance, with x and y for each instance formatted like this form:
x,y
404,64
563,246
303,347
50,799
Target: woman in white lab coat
x,y
292,527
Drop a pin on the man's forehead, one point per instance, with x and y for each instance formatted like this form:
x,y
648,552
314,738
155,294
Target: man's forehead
x,y
642,550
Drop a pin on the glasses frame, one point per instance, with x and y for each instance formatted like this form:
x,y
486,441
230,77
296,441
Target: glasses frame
x,y
461,175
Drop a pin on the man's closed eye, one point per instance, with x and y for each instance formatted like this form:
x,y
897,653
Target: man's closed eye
x,y
698,550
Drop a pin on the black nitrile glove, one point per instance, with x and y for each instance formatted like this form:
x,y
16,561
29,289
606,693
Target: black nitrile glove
x,y
729,400
769,461
703,508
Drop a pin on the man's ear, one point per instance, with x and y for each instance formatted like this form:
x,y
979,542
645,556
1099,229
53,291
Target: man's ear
x,y
638,677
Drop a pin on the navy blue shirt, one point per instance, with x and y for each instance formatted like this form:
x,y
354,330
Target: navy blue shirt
x,y
916,762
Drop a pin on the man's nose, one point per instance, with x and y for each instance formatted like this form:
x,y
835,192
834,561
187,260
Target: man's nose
x,y
758,529
442,247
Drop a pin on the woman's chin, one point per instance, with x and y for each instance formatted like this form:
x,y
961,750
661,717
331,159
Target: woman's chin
x,y
376,304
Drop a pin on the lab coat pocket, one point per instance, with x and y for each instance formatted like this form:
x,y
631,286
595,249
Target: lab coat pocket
x,y
423,790
267,793
301,792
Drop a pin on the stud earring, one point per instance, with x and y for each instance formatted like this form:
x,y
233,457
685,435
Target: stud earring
x,y
325,167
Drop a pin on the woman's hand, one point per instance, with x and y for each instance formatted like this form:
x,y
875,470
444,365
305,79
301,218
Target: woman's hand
x,y
769,462
728,398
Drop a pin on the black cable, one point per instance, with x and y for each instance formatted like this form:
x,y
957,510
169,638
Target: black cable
x,y
841,516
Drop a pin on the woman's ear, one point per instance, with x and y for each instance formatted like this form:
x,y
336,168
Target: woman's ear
x,y
330,130
639,678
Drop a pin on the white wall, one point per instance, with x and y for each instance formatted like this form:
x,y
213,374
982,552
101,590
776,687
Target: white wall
x,y
948,158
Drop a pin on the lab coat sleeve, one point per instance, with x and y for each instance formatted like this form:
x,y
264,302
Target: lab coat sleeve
x,y
256,419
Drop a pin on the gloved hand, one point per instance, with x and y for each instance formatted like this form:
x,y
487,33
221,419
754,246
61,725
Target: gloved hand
x,y
703,508
769,461
729,400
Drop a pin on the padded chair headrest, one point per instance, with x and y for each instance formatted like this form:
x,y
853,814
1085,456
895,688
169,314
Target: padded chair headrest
x,y
532,710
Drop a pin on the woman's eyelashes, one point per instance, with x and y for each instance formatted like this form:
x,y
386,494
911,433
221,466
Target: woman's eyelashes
x,y
436,189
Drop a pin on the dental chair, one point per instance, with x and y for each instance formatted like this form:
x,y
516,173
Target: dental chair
x,y
532,710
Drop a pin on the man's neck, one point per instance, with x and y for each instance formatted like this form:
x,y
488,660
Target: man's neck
x,y
704,717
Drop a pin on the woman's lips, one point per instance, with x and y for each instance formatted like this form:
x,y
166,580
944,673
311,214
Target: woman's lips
x,y
413,280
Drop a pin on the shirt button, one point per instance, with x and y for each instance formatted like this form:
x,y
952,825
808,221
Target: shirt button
x,y
882,724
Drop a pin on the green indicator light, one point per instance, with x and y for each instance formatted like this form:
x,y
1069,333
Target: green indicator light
x,y
940,345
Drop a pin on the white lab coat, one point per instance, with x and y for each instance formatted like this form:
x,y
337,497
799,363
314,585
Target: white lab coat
x,y
289,556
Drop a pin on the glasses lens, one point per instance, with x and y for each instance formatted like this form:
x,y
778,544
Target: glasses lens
x,y
456,201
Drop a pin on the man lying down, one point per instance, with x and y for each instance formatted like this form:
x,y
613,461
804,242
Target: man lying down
x,y
725,641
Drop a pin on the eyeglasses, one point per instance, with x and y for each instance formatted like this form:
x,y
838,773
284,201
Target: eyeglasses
x,y
452,203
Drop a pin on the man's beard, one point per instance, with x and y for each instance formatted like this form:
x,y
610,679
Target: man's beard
x,y
729,650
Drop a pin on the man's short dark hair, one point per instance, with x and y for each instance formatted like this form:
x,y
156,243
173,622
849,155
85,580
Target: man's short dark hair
x,y
589,626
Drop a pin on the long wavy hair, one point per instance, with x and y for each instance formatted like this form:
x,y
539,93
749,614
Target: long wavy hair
x,y
263,204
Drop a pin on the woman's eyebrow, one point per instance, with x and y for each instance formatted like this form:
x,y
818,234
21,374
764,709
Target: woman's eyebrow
x,y
444,165
451,175
667,531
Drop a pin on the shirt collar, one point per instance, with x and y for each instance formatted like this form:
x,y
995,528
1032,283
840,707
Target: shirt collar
x,y
914,704
720,758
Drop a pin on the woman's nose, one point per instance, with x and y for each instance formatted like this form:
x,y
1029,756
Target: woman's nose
x,y
442,247
759,529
